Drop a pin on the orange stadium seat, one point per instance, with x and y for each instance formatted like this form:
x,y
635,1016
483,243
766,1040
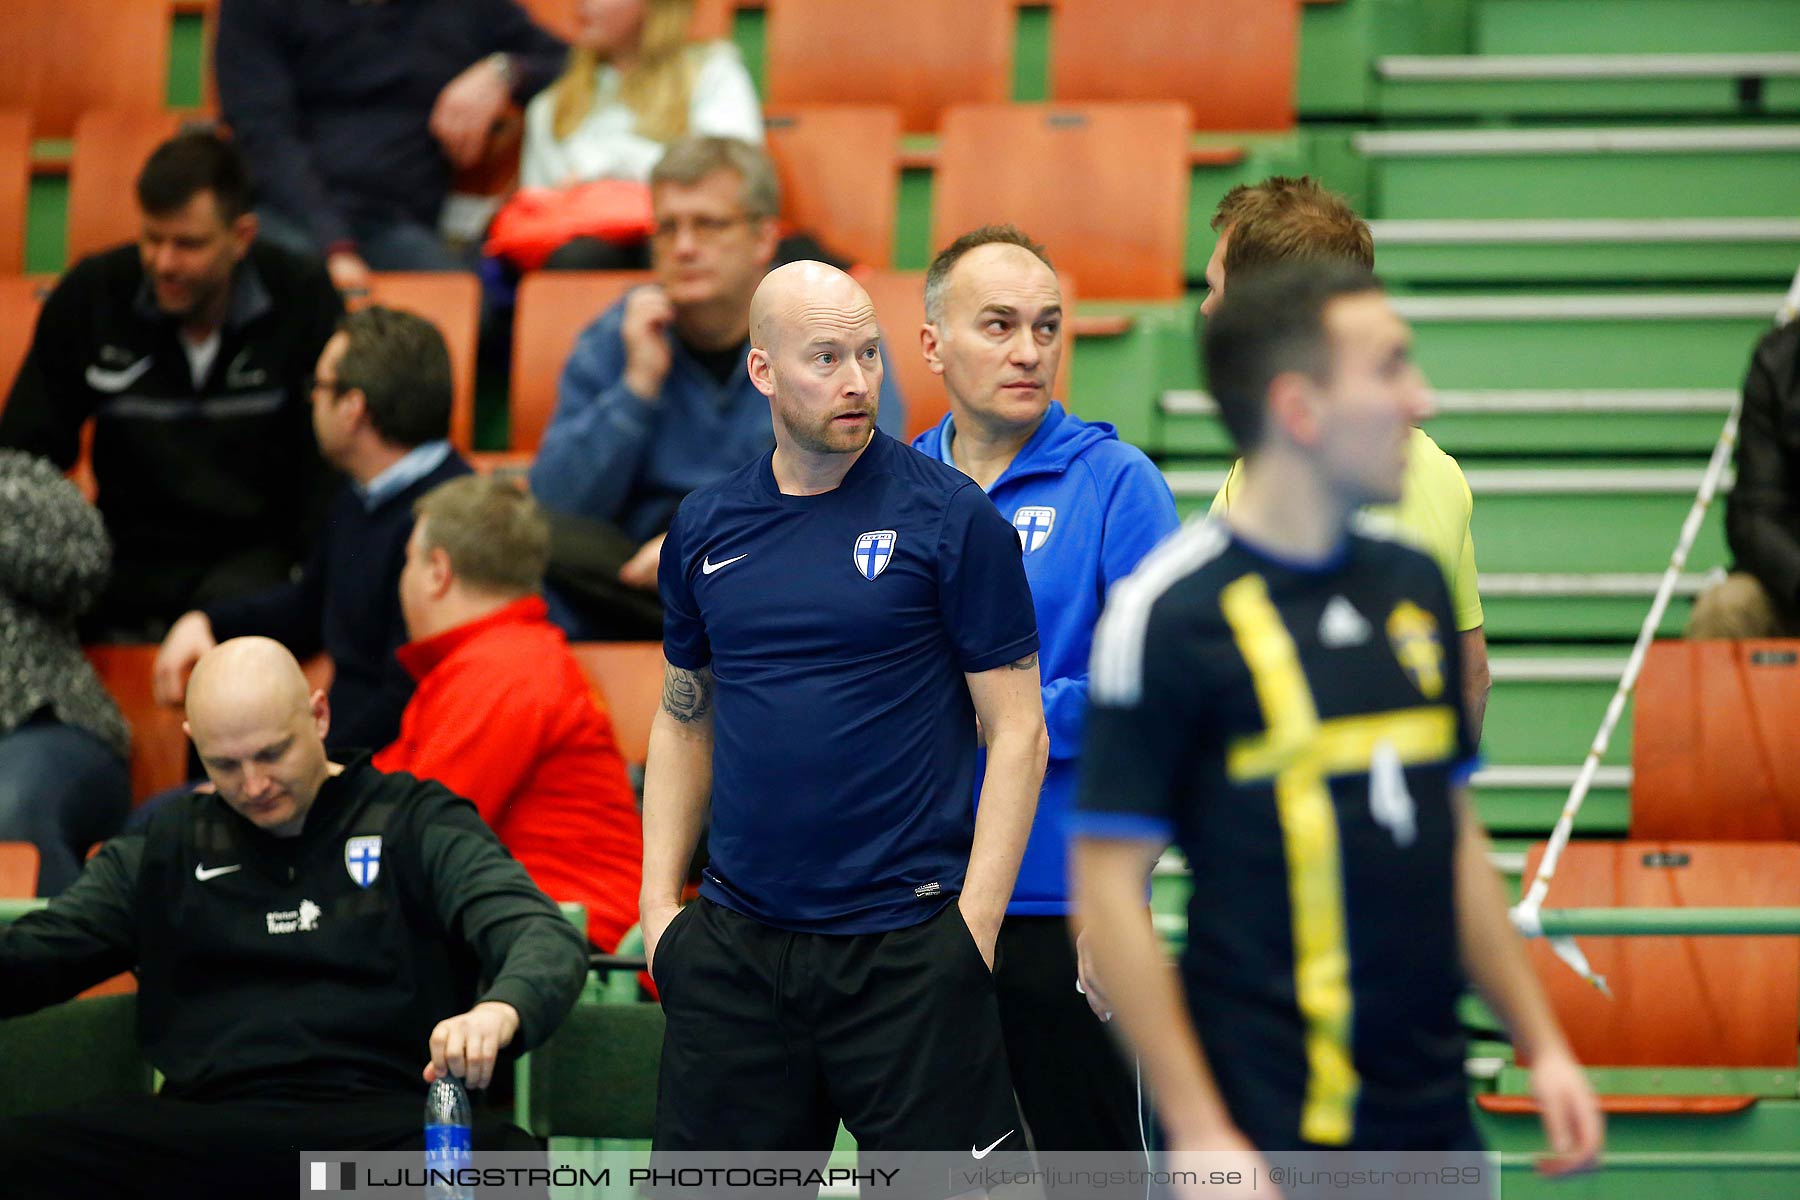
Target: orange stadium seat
x,y
558,16
158,747
15,183
899,298
712,18
18,870
1103,186
553,308
451,300
61,58
923,56
1712,742
1676,1001
20,298
629,678
111,146
840,175
1232,61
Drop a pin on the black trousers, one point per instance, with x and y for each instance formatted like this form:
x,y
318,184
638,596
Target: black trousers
x,y
1075,1085
775,1036
153,1147
583,577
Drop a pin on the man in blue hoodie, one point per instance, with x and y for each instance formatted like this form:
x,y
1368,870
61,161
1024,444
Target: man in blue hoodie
x,y
1087,507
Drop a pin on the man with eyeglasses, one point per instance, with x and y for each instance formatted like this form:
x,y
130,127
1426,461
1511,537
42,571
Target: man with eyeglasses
x,y
381,413
655,399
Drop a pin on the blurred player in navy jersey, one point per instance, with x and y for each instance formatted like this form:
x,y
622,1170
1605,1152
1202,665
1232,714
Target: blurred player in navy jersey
x,y
1277,693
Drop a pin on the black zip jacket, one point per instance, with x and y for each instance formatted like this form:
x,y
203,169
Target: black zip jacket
x,y
189,476
268,972
1762,516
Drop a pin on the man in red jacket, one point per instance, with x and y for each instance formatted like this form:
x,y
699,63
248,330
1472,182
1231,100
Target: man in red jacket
x,y
503,714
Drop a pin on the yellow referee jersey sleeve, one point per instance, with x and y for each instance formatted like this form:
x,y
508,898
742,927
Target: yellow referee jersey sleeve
x,y
1434,511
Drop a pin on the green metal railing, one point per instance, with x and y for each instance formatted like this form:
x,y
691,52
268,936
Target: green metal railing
x,y
1557,922
1670,922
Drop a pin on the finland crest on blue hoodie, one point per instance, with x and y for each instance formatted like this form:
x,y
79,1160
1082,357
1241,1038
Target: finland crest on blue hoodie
x,y
1087,507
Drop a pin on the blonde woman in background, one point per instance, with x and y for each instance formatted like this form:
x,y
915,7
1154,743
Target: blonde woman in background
x,y
634,83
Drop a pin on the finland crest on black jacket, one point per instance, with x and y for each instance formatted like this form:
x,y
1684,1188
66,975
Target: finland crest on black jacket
x,y
304,969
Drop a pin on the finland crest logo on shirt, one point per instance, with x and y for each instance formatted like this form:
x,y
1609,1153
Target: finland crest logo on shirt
x,y
1034,523
874,550
362,858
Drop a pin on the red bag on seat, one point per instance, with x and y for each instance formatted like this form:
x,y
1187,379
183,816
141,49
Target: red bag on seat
x,y
536,221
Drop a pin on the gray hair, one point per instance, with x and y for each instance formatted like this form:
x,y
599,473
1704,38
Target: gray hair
x,y
691,159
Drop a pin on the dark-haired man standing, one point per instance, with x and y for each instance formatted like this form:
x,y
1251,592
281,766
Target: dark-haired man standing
x,y
191,351
381,410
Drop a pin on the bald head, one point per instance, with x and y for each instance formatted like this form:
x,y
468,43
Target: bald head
x,y
815,352
259,732
245,673
789,294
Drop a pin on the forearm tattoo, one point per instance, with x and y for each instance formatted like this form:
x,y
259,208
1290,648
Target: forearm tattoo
x,y
687,695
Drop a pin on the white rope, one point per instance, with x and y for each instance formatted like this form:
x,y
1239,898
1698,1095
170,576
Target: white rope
x,y
1526,915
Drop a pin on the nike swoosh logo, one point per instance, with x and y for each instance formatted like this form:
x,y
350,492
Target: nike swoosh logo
x,y
205,873
103,380
240,374
708,566
990,1149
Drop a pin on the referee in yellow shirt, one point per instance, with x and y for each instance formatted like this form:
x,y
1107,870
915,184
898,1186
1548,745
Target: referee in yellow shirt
x,y
1296,220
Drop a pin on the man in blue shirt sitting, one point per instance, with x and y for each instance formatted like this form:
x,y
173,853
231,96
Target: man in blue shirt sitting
x,y
655,400
840,612
1087,507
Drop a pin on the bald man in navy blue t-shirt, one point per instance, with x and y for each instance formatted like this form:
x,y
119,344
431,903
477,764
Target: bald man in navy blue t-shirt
x,y
839,614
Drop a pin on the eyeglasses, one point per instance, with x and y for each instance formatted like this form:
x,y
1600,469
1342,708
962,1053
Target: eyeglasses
x,y
704,229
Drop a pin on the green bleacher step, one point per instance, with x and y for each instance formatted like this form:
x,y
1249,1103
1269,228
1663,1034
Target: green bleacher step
x,y
1498,85
1528,421
1558,520
1525,801
1562,605
1589,520
1546,705
1584,342
1716,250
1677,171
1634,26
1597,607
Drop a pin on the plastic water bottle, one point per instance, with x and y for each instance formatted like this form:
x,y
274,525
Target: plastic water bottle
x,y
448,1142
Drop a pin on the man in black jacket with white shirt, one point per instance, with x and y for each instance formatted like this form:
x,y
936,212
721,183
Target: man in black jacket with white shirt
x,y
313,943
193,353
